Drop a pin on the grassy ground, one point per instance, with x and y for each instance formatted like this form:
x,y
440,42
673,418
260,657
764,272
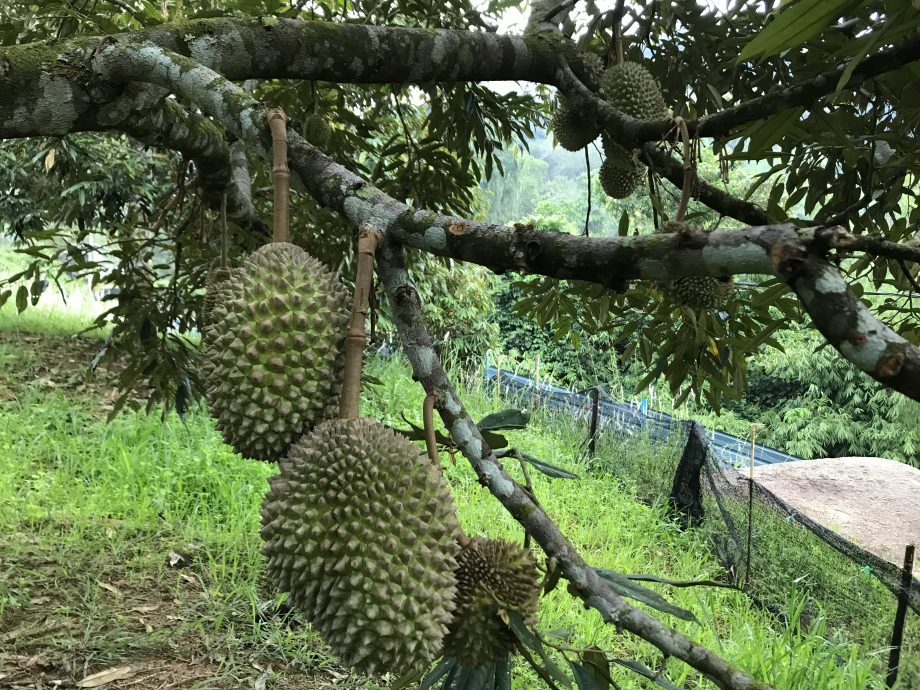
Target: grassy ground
x,y
96,516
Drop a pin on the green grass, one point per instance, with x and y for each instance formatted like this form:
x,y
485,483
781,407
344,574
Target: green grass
x,y
90,511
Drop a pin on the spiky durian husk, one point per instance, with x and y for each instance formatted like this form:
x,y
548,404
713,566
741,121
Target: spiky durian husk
x,y
620,181
217,278
316,130
572,131
632,89
273,354
696,292
361,530
491,575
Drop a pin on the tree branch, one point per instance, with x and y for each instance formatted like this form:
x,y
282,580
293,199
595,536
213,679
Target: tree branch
x,y
793,254
171,126
427,369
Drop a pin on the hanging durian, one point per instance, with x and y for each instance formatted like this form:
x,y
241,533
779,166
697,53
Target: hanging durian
x,y
491,575
571,129
316,130
218,277
272,354
696,292
617,182
361,529
631,88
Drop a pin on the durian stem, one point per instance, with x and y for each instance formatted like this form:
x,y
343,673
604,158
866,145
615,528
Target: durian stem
x,y
224,232
281,174
355,339
431,443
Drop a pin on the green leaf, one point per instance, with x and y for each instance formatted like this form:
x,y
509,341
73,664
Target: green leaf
x,y
4,296
623,227
546,468
583,678
504,419
646,672
625,587
872,41
437,673
503,675
794,26
529,639
22,298
597,664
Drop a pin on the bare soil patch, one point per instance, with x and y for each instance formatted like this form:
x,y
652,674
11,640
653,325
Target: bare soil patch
x,y
873,502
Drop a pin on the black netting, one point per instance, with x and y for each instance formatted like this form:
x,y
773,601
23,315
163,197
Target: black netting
x,y
765,545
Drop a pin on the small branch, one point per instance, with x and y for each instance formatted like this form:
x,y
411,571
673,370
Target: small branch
x,y
588,168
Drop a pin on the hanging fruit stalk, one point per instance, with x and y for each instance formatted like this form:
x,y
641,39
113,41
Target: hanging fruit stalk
x,y
281,174
355,339
431,442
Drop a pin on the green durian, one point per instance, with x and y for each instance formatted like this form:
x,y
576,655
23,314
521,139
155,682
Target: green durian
x,y
572,131
217,278
316,130
696,292
619,182
361,530
631,88
491,575
273,352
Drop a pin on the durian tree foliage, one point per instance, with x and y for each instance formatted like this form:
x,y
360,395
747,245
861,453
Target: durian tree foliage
x,y
821,94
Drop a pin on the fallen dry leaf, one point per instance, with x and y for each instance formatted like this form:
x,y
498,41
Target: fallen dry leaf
x,y
109,588
146,609
109,675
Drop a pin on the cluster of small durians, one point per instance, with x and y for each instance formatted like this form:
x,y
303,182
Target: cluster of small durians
x,y
630,88
359,528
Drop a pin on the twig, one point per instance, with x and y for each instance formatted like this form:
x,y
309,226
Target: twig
x,y
588,168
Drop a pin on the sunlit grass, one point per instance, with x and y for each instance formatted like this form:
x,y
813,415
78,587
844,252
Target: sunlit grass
x,y
129,492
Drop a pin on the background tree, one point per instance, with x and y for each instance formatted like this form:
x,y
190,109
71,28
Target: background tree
x,y
394,123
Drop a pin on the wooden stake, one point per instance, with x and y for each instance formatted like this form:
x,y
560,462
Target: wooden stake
x,y
431,441
281,174
355,339
897,634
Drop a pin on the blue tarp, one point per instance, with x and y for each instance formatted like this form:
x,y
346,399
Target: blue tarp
x,y
630,418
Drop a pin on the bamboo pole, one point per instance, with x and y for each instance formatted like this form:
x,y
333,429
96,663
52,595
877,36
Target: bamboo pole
x,y
355,338
281,174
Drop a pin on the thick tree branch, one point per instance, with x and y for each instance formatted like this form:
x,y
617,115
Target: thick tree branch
x,y
427,369
792,253
270,48
171,126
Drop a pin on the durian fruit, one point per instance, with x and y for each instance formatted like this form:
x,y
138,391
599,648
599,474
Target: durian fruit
x,y
696,292
572,131
491,575
316,130
619,182
620,172
273,353
217,278
632,89
361,529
